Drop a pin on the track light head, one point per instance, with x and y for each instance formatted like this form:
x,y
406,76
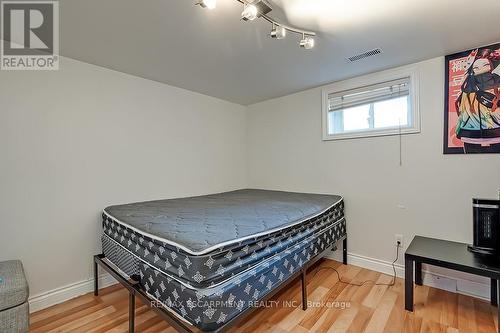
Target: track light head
x,y
250,13
278,32
210,4
307,42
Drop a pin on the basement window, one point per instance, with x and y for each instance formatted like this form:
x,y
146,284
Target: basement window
x,y
376,109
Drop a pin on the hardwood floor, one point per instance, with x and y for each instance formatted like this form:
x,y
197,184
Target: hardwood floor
x,y
369,308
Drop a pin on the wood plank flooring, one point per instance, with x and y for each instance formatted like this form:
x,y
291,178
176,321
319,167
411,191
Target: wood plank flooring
x,y
352,309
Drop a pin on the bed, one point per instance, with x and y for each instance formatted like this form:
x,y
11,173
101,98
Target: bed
x,y
207,260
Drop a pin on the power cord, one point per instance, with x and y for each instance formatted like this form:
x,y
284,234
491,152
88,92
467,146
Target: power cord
x,y
367,281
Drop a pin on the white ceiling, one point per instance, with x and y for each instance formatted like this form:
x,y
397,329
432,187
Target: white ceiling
x,y
214,53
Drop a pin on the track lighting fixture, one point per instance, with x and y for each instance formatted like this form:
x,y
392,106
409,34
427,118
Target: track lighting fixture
x,y
253,9
306,42
278,32
249,13
210,4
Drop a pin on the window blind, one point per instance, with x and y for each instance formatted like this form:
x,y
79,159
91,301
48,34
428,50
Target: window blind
x,y
370,94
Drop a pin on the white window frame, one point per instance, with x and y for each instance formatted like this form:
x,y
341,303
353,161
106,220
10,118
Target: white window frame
x,y
410,72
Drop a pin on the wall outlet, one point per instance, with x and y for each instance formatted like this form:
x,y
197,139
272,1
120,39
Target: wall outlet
x,y
399,238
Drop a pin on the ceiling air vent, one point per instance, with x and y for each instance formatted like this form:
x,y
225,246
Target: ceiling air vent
x,y
364,55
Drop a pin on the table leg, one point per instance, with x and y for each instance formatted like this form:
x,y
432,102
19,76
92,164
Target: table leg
x,y
498,308
418,273
408,284
493,294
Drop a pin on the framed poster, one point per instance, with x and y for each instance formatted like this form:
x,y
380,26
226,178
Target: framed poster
x,y
472,101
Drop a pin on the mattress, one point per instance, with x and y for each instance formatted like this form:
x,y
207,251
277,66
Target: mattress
x,y
309,214
204,276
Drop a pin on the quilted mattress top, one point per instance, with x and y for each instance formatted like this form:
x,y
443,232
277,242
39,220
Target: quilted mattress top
x,y
201,224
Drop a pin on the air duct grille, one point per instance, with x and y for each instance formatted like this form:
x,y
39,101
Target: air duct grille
x,y
364,55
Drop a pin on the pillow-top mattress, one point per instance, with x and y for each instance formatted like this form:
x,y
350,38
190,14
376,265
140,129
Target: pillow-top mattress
x,y
199,225
226,258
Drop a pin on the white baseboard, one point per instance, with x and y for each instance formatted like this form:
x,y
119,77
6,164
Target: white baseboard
x,y
432,279
59,295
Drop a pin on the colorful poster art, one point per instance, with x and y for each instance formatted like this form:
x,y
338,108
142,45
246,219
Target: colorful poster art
x,y
472,101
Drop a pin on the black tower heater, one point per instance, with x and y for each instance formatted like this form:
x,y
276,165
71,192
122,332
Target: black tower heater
x,y
486,215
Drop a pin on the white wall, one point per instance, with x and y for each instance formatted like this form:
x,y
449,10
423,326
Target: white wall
x,y
76,140
286,152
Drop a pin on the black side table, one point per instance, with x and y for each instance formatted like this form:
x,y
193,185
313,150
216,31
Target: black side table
x,y
452,255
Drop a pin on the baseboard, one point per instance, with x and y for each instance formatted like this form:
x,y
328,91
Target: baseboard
x,y
59,295
431,279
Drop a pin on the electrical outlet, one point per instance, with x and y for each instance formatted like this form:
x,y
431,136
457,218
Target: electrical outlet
x,y
399,238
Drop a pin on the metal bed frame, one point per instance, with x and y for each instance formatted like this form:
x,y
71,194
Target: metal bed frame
x,y
134,289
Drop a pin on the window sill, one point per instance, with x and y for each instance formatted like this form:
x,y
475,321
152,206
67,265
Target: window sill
x,y
369,134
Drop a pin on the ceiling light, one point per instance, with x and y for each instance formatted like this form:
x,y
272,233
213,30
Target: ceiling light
x,y
210,4
253,9
249,13
307,42
278,32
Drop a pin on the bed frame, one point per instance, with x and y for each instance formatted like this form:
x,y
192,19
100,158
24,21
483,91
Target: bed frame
x,y
134,289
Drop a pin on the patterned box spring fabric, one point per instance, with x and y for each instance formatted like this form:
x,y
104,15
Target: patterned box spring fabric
x,y
213,267
210,308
